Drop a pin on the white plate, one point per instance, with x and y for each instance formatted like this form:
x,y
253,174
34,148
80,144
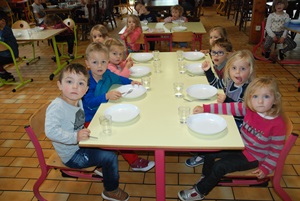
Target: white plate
x,y
122,112
18,34
195,68
193,56
139,71
206,123
295,21
179,28
38,28
177,21
142,57
145,28
138,90
52,6
144,22
201,91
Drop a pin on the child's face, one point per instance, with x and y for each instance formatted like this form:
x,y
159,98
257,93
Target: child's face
x,y
116,55
97,37
262,100
175,14
214,35
279,7
140,9
239,72
73,87
131,22
218,55
97,62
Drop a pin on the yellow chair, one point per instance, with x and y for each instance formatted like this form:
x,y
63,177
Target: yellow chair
x,y
187,37
71,24
16,62
21,24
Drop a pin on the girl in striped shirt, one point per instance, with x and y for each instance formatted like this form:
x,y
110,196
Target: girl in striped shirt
x,y
263,133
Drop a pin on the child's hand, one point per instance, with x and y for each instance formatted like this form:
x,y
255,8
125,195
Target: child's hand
x,y
129,63
198,109
113,95
206,65
83,134
135,82
281,40
221,98
275,39
259,173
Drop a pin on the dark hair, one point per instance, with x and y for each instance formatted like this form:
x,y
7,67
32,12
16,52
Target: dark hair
x,y
3,16
221,42
52,19
74,68
275,2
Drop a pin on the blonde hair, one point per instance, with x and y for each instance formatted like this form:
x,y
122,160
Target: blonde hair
x,y
275,2
102,29
95,47
179,8
264,82
111,42
241,54
136,20
221,30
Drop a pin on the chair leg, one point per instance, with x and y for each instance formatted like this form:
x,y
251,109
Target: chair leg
x,y
37,185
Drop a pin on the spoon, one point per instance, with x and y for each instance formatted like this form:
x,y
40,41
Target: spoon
x,y
128,92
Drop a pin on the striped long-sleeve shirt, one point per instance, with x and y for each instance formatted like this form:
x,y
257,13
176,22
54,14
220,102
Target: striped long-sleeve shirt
x,y
263,136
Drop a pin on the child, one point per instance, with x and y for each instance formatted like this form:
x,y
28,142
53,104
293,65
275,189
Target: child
x,y
148,16
276,31
99,33
238,72
263,133
215,33
116,55
64,126
101,80
53,21
133,31
39,13
7,36
176,12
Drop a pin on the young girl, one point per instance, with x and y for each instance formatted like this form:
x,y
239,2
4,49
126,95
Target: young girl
x,y
238,72
176,12
215,33
99,33
276,31
52,21
116,54
133,32
263,133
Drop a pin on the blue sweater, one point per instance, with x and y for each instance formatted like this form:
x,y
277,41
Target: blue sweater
x,y
97,91
7,36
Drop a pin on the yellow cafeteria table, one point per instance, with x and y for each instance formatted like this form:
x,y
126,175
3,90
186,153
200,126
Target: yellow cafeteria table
x,y
157,128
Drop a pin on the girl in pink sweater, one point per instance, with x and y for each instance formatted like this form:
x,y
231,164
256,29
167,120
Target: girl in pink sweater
x,y
132,33
263,132
116,55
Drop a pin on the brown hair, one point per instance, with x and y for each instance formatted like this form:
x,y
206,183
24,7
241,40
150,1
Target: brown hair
x,y
179,8
102,29
74,68
271,84
275,2
52,19
221,42
241,54
136,20
95,47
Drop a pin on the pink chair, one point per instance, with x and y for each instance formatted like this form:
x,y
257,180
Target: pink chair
x,y
246,178
35,131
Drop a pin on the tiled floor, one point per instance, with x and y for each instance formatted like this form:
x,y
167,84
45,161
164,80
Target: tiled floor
x,y
19,167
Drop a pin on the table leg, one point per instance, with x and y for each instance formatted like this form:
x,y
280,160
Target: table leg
x,y
160,174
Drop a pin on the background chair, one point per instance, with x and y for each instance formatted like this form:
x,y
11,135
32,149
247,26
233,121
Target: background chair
x,y
21,24
16,62
108,13
71,24
140,40
245,14
187,37
247,178
125,5
35,131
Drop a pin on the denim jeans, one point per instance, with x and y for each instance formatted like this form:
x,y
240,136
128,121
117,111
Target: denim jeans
x,y
87,157
217,164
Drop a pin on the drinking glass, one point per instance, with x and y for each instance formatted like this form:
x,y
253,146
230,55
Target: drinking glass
x,y
184,113
179,55
181,67
155,55
178,87
157,66
105,122
146,82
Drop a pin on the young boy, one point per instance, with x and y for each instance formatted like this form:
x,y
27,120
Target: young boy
x,y
7,36
64,125
101,79
38,10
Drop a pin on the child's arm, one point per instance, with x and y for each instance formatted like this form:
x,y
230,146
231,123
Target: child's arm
x,y
123,72
168,19
211,78
268,27
233,108
83,134
134,35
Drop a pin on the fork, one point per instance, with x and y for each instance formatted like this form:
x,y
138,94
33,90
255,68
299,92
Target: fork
x,y
128,92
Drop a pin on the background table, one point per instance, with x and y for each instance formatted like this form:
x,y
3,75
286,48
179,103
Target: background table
x,y
157,128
